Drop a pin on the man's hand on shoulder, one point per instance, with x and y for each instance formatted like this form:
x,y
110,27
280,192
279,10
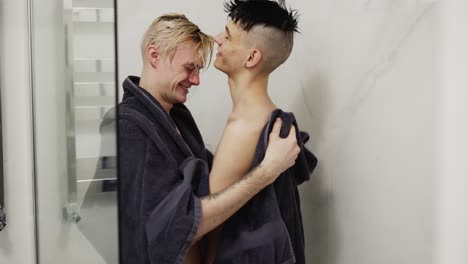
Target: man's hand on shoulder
x,y
281,153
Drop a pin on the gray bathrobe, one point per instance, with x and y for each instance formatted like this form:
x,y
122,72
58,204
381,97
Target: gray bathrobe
x,y
162,175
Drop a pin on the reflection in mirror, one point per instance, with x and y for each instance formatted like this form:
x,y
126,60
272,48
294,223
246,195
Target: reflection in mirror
x,y
74,91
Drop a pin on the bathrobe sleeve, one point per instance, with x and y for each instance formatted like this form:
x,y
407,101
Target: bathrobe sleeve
x,y
209,157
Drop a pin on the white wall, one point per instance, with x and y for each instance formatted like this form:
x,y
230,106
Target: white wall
x,y
17,245
452,195
371,93
364,81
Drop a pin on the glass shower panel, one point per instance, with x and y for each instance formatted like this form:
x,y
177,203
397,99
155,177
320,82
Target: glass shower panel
x,y
75,145
2,188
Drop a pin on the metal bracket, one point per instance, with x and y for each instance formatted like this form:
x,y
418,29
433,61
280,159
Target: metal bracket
x,y
71,213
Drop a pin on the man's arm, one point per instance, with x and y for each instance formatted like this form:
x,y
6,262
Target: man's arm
x,y
218,207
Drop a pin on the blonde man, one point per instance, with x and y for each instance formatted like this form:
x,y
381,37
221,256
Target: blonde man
x,y
164,203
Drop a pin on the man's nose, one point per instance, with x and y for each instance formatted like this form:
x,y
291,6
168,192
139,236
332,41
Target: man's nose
x,y
194,78
218,39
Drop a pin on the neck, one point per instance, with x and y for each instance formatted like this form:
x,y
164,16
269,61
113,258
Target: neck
x,y
149,83
249,93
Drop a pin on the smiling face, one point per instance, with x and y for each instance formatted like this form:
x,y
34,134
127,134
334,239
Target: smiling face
x,y
233,49
176,76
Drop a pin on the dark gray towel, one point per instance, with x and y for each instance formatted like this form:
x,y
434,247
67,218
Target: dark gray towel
x,y
269,229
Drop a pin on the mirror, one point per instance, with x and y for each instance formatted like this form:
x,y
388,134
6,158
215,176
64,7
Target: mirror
x,y
74,87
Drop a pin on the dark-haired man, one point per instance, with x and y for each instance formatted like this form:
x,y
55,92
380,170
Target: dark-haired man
x,y
268,229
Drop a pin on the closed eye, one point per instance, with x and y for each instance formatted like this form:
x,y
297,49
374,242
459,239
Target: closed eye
x,y
192,68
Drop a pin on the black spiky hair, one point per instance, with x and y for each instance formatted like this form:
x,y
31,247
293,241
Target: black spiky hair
x,y
249,13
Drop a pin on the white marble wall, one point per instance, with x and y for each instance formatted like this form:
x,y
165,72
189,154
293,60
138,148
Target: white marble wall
x,y
452,197
363,80
370,89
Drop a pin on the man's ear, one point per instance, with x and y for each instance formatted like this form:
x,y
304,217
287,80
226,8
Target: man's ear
x,y
152,55
253,59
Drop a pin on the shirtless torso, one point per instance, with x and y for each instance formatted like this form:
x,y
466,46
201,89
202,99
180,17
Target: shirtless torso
x,y
235,155
236,150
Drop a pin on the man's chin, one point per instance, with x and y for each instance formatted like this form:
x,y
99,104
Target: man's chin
x,y
183,99
218,67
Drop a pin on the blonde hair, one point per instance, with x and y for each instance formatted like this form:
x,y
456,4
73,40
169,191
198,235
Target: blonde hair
x,y
171,30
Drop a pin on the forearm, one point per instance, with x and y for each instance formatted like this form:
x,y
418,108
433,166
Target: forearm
x,y
212,241
218,207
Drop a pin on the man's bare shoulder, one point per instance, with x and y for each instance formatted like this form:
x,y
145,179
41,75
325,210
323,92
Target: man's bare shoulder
x,y
235,152
244,126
